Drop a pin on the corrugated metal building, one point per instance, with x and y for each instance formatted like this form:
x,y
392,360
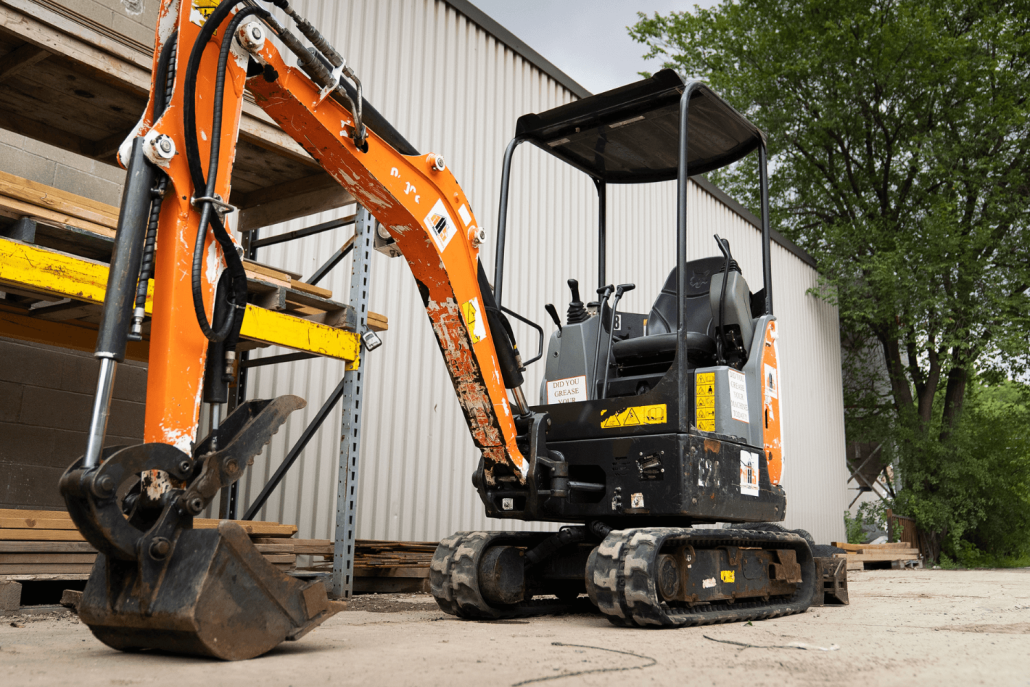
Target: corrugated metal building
x,y
454,82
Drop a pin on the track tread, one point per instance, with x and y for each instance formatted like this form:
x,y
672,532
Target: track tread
x,y
453,578
620,579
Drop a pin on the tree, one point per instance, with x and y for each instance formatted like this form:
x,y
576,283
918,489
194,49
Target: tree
x,y
898,139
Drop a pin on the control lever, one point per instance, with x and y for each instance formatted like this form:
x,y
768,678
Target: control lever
x,y
724,246
619,292
576,313
553,312
604,292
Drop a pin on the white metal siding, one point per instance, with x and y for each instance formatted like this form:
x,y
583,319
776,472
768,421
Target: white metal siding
x,y
454,89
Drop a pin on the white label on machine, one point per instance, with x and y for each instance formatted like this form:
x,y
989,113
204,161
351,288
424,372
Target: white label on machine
x,y
567,390
440,225
738,395
749,473
466,216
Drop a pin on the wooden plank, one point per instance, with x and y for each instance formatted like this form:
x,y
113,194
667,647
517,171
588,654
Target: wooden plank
x,y
36,524
858,547
76,336
45,568
285,547
881,557
909,551
44,514
274,276
253,527
27,559
56,200
22,57
288,559
46,547
308,547
15,208
377,322
41,535
312,289
44,578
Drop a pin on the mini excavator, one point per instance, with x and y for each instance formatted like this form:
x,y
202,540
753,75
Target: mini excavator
x,y
648,424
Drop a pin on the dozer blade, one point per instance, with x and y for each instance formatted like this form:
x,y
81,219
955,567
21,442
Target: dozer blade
x,y
218,597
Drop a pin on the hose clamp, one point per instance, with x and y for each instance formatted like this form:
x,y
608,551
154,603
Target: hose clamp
x,y
221,207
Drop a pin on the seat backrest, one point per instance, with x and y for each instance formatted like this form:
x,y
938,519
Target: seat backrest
x,y
664,319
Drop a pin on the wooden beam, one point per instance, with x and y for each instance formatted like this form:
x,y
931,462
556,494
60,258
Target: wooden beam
x,y
283,202
22,57
126,68
62,335
58,201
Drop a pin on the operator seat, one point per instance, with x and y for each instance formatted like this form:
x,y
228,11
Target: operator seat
x,y
660,339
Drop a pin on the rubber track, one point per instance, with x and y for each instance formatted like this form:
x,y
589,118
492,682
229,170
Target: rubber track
x,y
621,578
454,573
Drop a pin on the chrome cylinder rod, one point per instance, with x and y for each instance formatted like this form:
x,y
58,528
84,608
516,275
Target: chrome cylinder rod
x,y
521,404
101,411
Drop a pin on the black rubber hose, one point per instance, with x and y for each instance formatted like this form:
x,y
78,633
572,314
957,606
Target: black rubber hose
x,y
207,216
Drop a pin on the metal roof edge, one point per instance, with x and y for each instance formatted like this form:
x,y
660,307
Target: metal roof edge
x,y
491,26
727,200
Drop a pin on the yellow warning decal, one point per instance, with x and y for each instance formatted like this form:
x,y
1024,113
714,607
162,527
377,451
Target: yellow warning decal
x,y
635,416
473,320
201,10
728,575
704,408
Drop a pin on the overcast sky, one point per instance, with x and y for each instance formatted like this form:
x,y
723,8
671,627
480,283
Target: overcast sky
x,y
586,39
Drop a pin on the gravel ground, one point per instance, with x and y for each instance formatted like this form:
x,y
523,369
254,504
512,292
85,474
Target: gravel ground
x,y
902,628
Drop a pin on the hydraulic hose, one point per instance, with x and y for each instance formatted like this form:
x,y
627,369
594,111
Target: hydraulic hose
x,y
229,327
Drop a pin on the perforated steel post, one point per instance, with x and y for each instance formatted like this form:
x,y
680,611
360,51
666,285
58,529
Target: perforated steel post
x,y
350,428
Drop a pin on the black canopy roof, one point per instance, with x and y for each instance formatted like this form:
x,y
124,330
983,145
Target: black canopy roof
x,y
631,134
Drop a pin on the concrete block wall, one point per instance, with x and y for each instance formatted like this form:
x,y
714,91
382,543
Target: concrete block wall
x,y
46,395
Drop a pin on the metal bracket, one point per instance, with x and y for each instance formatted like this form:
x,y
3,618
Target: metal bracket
x,y
221,207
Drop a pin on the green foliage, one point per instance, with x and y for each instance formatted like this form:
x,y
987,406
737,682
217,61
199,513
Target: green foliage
x,y
898,134
872,515
974,490
853,528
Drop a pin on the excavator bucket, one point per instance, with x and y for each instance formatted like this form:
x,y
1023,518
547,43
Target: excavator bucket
x,y
160,584
219,597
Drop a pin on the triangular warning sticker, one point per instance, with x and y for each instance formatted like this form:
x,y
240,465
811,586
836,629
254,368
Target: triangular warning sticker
x,y
631,419
613,421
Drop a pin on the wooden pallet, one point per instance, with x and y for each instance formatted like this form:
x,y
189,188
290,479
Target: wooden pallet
x,y
75,227
898,554
45,545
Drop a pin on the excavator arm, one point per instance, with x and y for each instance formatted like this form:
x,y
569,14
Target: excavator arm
x,y
158,582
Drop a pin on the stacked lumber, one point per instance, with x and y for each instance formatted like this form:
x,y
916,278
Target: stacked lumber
x,y
379,566
84,228
43,544
898,554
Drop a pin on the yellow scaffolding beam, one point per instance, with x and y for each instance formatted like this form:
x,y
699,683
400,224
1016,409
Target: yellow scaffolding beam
x,y
29,267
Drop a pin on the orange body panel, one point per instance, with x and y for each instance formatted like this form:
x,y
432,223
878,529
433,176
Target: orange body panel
x,y
772,437
178,347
